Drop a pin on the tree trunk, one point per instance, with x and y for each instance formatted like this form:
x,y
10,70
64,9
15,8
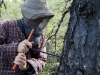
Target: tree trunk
x,y
81,51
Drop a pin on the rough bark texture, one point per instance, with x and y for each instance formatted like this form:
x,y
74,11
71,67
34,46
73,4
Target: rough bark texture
x,y
81,52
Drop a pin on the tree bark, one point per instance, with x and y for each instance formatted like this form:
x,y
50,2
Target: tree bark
x,y
81,51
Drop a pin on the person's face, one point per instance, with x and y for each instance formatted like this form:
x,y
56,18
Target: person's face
x,y
35,22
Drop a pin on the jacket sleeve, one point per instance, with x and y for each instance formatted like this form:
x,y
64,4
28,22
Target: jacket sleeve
x,y
39,63
7,51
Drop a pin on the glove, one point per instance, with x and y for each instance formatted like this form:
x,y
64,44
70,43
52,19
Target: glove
x,y
23,47
20,60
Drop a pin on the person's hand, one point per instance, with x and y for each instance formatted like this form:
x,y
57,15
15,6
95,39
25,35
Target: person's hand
x,y
20,60
23,46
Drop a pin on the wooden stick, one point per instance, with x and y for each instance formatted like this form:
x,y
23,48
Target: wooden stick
x,y
29,37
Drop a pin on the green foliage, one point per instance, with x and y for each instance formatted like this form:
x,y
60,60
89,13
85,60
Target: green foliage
x,y
54,45
13,10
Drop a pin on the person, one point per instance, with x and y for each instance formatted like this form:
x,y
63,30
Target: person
x,y
14,46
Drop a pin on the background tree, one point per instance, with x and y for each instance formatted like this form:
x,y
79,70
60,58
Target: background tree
x,y
81,50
